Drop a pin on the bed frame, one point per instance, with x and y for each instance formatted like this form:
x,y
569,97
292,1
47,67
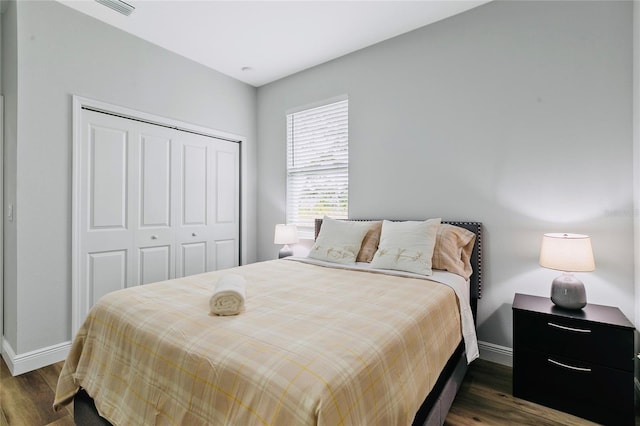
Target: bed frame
x,y
435,407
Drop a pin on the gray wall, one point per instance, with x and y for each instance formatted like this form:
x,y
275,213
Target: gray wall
x,y
9,90
516,114
1,139
61,52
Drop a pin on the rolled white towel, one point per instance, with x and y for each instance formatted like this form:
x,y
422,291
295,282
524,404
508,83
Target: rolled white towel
x,y
228,296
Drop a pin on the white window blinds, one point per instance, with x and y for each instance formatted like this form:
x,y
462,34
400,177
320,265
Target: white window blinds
x,y
317,165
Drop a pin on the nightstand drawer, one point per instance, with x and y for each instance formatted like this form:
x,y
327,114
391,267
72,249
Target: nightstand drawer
x,y
588,390
575,339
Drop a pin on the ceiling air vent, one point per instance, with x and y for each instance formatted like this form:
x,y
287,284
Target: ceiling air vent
x,y
118,5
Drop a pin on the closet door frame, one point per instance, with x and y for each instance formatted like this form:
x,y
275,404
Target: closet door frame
x,y
78,104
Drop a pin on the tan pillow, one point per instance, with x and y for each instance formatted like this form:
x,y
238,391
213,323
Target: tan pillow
x,y
453,248
370,242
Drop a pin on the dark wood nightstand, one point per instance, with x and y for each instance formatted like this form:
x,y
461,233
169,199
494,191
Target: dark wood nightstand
x,y
580,362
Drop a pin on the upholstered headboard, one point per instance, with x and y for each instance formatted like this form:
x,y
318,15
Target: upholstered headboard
x,y
475,281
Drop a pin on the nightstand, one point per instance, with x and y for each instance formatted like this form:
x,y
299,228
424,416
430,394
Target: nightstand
x,y
580,362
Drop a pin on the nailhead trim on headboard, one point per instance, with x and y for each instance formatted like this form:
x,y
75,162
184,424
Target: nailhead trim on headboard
x,y
476,228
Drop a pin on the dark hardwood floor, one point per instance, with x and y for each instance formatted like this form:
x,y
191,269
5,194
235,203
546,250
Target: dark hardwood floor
x,y
26,400
485,399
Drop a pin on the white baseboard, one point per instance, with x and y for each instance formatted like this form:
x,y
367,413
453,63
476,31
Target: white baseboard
x,y
23,363
496,353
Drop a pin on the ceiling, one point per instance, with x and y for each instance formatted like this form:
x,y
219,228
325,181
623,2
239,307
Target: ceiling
x,y
258,42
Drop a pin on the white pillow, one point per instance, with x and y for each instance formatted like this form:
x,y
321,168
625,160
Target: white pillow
x,y
339,241
407,246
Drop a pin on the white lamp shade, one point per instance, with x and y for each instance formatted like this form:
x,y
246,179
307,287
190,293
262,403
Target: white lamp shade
x,y
285,234
567,252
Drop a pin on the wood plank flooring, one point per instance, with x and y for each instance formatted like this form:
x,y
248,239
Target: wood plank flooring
x,y
26,400
484,399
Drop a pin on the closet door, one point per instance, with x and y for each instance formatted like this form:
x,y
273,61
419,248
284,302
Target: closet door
x,y
207,232
153,203
153,216
224,227
193,199
106,256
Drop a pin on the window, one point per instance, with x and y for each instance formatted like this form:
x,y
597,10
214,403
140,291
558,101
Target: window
x,y
317,165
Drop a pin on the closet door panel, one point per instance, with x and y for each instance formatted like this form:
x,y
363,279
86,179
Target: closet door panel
x,y
193,259
155,176
105,214
103,259
153,233
154,264
107,187
225,186
226,254
225,196
192,207
194,184
107,272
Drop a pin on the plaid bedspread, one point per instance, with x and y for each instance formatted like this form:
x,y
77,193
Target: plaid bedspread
x,y
314,346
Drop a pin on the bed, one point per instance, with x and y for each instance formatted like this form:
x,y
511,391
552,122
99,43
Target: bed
x,y
339,344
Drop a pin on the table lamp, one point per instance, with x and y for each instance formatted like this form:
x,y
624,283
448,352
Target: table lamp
x,y
285,234
567,253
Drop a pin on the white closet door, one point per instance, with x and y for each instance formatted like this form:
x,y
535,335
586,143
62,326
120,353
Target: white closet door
x,y
224,215
154,203
106,249
207,207
192,205
153,213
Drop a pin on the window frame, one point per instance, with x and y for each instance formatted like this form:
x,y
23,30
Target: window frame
x,y
339,171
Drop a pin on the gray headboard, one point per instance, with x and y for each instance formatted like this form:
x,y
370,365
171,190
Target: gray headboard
x,y
475,281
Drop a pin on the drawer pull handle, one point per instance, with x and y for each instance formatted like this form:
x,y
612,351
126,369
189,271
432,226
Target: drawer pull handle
x,y
570,367
578,330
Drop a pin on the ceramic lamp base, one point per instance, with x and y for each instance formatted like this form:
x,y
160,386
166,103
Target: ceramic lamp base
x,y
285,252
568,292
